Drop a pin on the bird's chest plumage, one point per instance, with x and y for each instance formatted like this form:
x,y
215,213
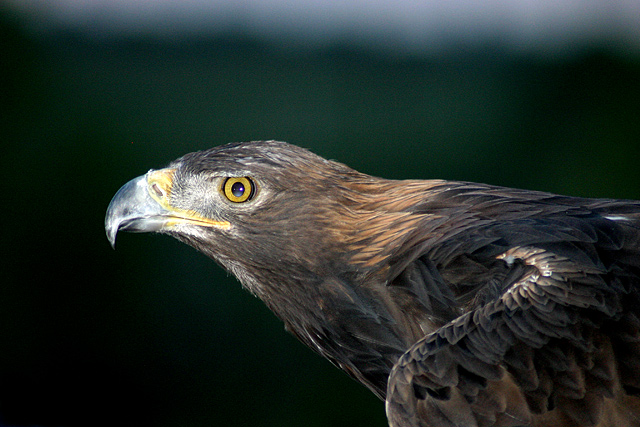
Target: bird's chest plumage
x,y
361,328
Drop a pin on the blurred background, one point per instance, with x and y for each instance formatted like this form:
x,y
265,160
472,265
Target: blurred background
x,y
535,94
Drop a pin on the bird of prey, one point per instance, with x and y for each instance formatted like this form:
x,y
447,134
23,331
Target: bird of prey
x,y
459,304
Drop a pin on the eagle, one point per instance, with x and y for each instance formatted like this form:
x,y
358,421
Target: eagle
x,y
458,304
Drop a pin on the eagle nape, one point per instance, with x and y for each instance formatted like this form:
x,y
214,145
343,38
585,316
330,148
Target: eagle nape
x,y
459,304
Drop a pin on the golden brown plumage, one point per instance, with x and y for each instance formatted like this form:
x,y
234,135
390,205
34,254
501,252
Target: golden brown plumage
x,y
460,304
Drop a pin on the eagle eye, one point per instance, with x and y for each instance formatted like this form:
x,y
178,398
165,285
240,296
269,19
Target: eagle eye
x,y
238,189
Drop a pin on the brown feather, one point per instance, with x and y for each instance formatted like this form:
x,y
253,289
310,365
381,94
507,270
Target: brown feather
x,y
458,303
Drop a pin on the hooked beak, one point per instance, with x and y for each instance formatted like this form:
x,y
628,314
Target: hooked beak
x,y
133,209
143,205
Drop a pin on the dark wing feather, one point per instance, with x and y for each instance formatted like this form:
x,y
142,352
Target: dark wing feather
x,y
553,325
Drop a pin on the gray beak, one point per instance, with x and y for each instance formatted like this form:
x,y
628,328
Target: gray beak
x,y
133,209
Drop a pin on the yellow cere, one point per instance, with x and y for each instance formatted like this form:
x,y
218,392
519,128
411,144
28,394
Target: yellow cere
x,y
159,183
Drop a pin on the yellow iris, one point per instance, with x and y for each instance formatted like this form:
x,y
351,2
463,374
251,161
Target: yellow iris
x,y
238,189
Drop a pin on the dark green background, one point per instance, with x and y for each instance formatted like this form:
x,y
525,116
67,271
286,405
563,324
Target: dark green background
x,y
156,334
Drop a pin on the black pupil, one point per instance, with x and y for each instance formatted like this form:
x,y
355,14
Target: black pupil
x,y
237,189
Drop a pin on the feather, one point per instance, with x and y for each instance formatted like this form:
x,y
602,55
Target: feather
x,y
460,304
